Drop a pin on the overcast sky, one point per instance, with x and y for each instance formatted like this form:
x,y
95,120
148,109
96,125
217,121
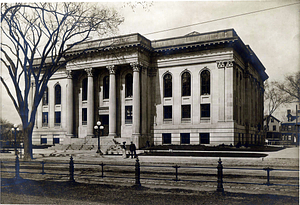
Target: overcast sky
x,y
272,34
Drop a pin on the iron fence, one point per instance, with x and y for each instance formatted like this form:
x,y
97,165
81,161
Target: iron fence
x,y
137,172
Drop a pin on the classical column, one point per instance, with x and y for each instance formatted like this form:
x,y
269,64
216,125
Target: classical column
x,y
90,103
69,104
136,99
112,101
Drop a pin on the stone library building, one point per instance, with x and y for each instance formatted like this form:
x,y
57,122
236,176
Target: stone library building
x,y
201,88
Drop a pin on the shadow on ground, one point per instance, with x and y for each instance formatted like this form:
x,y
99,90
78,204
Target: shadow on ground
x,y
45,192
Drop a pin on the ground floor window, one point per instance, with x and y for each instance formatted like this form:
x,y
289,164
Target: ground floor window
x,y
128,114
56,140
185,138
43,140
166,138
204,138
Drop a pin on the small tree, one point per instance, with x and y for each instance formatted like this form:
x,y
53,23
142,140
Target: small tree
x,y
35,40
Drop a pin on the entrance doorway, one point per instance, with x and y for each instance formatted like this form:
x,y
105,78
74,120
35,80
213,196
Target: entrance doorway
x,y
104,122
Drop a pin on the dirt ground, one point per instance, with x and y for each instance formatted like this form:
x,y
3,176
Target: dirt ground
x,y
48,192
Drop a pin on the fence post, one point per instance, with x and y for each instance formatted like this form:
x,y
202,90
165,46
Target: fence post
x,y
102,170
17,167
71,169
268,174
137,172
176,172
43,170
220,176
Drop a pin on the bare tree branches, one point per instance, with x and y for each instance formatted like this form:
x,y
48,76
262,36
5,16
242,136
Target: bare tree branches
x,y
291,87
35,40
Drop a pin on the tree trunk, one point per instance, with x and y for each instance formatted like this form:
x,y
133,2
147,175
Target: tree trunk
x,y
28,142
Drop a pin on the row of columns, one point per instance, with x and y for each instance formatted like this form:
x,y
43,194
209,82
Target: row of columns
x,y
112,101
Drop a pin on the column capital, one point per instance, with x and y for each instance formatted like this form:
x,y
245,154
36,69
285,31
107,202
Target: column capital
x,y
69,74
136,66
89,72
225,63
111,69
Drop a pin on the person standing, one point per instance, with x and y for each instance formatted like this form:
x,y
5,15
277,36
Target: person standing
x,y
132,149
124,150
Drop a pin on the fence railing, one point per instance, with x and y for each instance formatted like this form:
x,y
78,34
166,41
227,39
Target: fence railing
x,y
68,170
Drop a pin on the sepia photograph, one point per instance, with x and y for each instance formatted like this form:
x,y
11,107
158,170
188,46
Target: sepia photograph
x,y
150,102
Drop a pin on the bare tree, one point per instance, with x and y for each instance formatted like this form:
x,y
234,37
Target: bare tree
x,y
291,87
35,40
274,98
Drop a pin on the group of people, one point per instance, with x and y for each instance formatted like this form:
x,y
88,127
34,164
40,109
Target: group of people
x,y
132,149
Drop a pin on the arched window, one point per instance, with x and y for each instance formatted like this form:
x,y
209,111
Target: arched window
x,y
205,82
106,87
84,89
128,85
186,84
57,94
168,85
45,97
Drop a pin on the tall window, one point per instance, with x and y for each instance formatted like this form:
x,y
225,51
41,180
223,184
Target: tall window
x,y
128,114
106,87
57,95
186,112
205,110
84,116
128,85
45,119
186,84
45,97
84,89
168,112
168,85
205,82
57,119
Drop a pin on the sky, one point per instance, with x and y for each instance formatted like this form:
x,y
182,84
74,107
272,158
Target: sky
x,y
273,34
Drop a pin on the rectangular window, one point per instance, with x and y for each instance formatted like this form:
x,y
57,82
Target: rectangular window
x,y
128,114
185,138
272,119
43,140
290,128
56,140
57,119
204,138
186,112
274,127
205,110
84,116
166,138
167,112
45,119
